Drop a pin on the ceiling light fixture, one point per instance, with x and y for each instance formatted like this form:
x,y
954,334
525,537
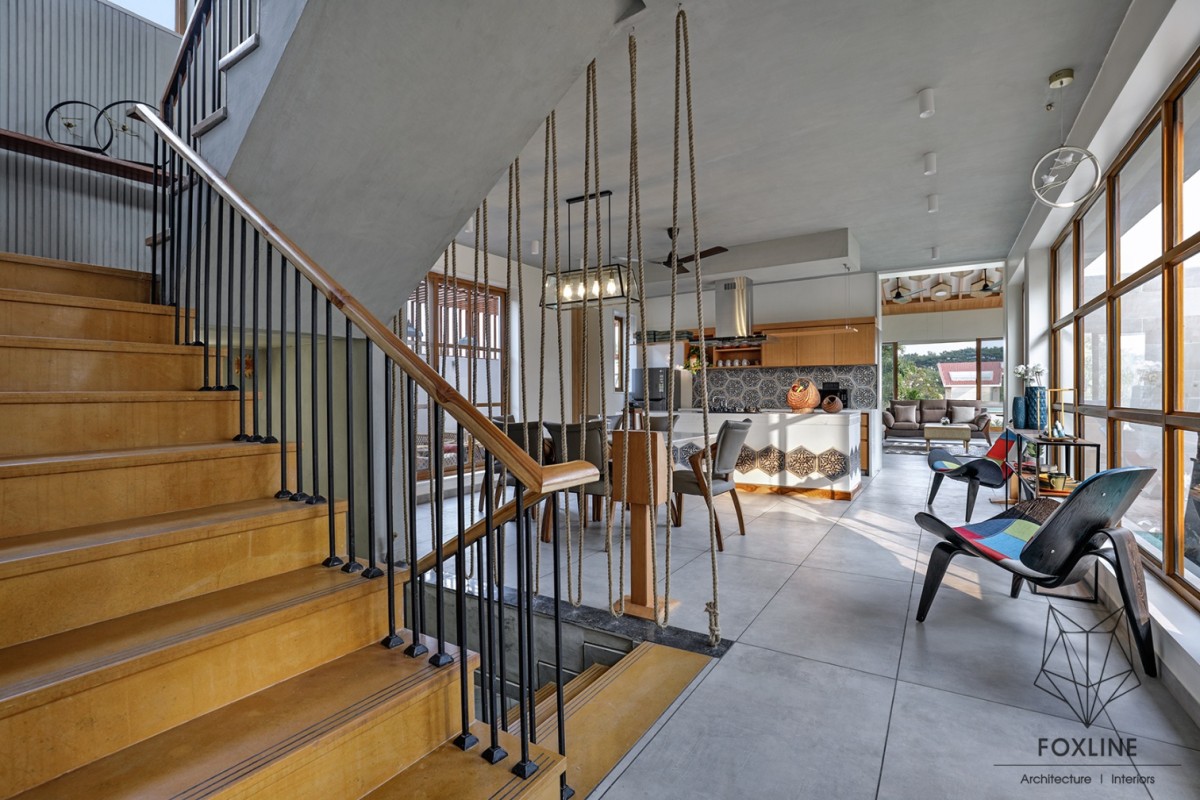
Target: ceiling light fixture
x,y
1064,164
536,248
931,163
986,289
615,280
935,253
931,203
925,102
940,291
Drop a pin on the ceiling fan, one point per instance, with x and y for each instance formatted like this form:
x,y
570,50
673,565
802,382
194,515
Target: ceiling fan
x,y
681,260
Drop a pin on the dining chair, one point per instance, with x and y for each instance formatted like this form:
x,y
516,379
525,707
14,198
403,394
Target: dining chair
x,y
593,451
530,437
662,424
724,454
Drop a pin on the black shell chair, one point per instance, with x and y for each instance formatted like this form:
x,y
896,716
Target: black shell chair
x,y
991,470
1052,545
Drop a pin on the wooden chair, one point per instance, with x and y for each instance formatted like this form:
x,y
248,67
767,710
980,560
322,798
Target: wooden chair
x,y
1052,545
724,452
992,470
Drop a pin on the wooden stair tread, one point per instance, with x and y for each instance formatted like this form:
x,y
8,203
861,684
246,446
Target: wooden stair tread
x,y
24,466
84,301
105,345
77,266
544,694
637,690
450,773
36,552
36,672
136,396
212,752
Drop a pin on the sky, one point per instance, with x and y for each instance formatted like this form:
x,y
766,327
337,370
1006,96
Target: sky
x,y
160,11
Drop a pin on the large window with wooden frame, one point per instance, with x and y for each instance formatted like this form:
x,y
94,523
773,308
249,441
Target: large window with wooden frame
x,y
969,370
460,328
1125,330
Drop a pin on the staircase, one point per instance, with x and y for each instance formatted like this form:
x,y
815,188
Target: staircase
x,y
169,629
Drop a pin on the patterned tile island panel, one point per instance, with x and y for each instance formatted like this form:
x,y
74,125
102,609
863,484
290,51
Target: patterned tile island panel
x,y
767,387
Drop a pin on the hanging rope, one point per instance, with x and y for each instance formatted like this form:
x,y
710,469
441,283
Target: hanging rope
x,y
541,405
682,42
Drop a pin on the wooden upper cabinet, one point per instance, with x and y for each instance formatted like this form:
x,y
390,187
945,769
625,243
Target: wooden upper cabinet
x,y
839,348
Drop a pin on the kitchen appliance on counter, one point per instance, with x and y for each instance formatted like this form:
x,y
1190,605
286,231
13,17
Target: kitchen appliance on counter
x,y
833,389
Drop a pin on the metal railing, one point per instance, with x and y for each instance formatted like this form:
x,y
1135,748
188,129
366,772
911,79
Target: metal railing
x,y
316,374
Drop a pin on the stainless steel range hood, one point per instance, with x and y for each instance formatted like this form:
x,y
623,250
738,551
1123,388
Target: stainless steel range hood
x,y
735,311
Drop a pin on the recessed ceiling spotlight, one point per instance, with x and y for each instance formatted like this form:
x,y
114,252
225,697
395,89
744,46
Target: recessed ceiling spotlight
x,y
931,202
935,253
925,102
930,164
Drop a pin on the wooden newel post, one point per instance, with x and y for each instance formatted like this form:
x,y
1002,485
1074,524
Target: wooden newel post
x,y
640,600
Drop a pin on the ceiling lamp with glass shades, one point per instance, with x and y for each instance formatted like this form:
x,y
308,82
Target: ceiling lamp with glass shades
x,y
1066,176
610,281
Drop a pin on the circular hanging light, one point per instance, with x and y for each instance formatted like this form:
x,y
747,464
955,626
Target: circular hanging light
x,y
1058,167
940,291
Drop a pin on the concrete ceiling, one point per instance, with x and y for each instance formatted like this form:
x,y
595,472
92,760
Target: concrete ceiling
x,y
806,121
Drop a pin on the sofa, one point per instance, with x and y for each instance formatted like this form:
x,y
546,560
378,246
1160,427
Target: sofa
x,y
906,419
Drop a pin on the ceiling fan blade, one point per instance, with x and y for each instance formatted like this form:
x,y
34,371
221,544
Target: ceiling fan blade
x,y
712,251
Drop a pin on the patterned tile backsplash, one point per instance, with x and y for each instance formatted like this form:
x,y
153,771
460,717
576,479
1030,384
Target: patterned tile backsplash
x,y
767,387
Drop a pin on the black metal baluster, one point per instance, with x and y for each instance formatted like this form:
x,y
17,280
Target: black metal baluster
x,y
415,581
529,540
270,437
299,495
523,768
177,237
283,493
218,286
332,560
441,658
241,384
465,740
203,304
317,498
255,435
503,654
494,754
352,564
392,640
230,386
372,570
560,707
485,702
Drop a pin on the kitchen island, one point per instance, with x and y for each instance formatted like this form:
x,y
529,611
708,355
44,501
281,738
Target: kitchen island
x,y
785,452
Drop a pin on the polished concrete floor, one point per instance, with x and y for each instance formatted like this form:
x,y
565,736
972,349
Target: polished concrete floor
x,y
833,690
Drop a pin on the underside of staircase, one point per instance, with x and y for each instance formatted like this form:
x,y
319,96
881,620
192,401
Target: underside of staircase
x,y
169,630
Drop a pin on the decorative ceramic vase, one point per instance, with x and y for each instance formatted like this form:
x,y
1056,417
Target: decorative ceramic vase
x,y
1037,409
803,397
831,404
1018,412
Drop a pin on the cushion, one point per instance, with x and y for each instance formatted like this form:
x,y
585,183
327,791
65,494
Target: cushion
x,y
932,414
933,404
904,414
960,415
907,426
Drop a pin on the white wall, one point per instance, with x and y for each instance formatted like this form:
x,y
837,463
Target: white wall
x,y
944,326
855,295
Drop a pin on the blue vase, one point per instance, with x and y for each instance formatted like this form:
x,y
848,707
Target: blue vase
x,y
1037,410
1018,412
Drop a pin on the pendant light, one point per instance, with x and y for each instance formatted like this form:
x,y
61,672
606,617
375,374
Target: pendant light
x,y
613,281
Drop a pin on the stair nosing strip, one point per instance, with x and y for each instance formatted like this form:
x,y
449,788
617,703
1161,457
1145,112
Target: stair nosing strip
x,y
37,297
30,685
258,761
28,260
506,791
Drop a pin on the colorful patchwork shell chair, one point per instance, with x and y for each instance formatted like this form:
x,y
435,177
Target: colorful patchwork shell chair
x,y
992,470
1052,545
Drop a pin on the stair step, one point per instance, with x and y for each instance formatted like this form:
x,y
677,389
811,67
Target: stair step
x,y
27,313
544,695
46,493
38,364
38,274
82,695
65,422
127,566
450,773
637,690
338,730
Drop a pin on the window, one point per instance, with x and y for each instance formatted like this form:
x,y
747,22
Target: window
x,y
1140,311
1190,485
1094,430
1093,330
1064,270
1095,265
1142,446
1139,191
970,370
1064,378
1189,113
620,346
1189,319
888,360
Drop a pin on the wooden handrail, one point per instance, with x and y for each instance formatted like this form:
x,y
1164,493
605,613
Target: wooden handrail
x,y
541,479
74,157
503,515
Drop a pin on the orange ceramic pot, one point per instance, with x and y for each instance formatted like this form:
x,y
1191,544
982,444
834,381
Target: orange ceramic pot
x,y
803,397
831,404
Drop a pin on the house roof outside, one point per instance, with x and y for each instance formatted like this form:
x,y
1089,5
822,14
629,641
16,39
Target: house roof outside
x,y
962,373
